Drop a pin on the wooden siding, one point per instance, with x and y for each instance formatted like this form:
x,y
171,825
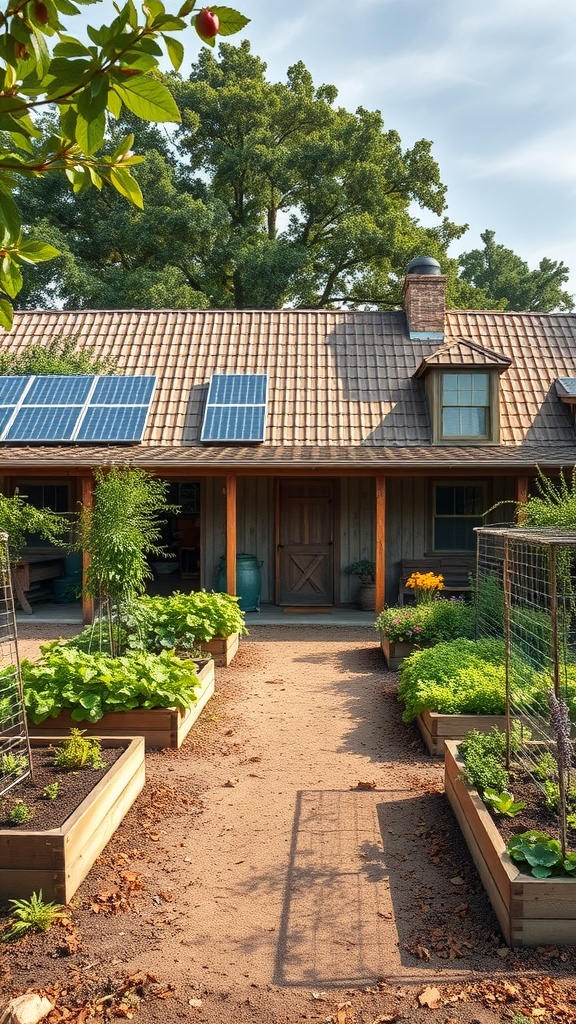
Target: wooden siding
x,y
255,519
356,535
213,528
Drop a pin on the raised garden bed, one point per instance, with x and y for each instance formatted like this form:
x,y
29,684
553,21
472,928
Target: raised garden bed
x,y
57,860
160,727
436,728
221,648
531,911
395,651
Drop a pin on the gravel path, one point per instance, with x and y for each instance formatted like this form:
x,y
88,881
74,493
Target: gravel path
x,y
296,855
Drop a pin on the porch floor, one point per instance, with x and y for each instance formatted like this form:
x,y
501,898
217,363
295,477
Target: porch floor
x,y
270,615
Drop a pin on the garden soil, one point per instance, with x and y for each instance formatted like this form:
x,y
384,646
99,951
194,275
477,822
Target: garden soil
x,y
295,861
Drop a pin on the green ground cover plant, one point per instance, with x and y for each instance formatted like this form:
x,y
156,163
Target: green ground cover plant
x,y
484,760
78,751
33,915
469,677
424,624
90,685
183,620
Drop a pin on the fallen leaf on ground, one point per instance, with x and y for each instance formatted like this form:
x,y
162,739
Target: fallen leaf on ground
x,y
364,785
430,997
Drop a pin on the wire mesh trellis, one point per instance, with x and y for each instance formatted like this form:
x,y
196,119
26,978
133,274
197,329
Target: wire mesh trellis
x,y
526,600
15,757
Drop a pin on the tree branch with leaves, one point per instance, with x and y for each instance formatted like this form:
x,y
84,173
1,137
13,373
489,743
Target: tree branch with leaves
x,y
87,85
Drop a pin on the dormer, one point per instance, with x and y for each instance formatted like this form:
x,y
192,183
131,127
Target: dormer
x,y
462,382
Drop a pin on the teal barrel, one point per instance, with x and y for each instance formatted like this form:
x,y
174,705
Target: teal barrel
x,y
247,581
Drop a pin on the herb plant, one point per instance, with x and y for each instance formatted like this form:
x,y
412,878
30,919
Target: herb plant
x,y
32,915
78,751
90,685
13,764
50,792
483,755
19,813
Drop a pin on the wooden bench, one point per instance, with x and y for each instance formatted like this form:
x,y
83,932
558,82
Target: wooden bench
x,y
455,569
30,576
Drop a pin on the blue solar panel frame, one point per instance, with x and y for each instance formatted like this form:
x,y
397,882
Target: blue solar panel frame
x,y
236,408
85,409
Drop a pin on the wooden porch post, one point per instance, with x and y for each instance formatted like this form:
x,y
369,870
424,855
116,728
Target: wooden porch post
x,y
87,499
380,552
231,534
521,495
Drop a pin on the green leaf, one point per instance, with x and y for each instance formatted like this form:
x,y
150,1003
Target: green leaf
x,y
37,252
186,8
539,871
6,314
70,47
148,99
231,21
9,214
90,134
10,277
126,185
175,51
114,104
541,855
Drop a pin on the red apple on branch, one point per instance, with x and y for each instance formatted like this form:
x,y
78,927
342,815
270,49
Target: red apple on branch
x,y
207,23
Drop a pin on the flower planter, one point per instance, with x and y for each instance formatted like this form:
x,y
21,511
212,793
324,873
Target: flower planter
x,y
531,911
396,651
160,727
221,648
436,728
58,860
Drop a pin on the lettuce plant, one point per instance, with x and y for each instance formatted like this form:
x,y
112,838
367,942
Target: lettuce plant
x,y
91,685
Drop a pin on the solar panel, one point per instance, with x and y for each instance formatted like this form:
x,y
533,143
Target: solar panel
x,y
84,408
236,408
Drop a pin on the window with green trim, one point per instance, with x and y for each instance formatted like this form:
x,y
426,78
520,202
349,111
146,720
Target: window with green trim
x,y
465,405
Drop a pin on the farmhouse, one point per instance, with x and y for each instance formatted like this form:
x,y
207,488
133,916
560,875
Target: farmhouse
x,y
307,438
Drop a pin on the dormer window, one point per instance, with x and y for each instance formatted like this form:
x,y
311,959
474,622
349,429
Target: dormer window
x,y
465,406
462,382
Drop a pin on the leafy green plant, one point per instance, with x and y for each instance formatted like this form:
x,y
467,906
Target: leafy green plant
x,y
119,532
469,677
18,519
545,767
13,764
364,569
502,802
541,855
483,755
78,751
19,813
50,792
436,622
183,620
58,355
90,685
32,915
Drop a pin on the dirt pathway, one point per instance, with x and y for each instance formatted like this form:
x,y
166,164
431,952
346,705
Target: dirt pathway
x,y
255,873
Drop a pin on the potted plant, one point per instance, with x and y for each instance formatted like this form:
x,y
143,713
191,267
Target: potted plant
x,y
365,571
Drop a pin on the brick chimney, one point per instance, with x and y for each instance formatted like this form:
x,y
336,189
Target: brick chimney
x,y
425,299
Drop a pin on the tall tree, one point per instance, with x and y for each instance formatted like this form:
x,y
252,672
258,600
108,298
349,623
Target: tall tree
x,y
319,200
508,280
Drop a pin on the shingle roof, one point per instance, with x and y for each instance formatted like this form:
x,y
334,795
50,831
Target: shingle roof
x,y
342,390
462,353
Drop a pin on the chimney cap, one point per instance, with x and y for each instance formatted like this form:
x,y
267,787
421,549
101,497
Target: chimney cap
x,y
424,265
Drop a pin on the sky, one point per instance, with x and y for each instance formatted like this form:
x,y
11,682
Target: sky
x,y
492,85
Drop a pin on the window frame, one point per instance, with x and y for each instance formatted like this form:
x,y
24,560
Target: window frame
x,y
436,401
481,484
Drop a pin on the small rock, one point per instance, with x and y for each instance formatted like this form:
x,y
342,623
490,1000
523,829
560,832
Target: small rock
x,y
26,1009
231,783
196,1003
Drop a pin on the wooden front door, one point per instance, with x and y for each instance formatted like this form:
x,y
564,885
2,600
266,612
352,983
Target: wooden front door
x,y
306,529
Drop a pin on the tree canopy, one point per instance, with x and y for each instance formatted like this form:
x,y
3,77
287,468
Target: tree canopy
x,y
85,86
508,280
